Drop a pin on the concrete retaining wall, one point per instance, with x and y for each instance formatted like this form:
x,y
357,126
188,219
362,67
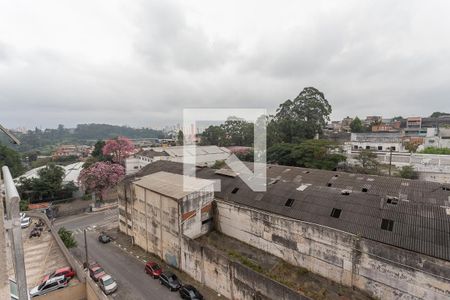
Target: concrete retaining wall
x,y
74,292
229,278
384,271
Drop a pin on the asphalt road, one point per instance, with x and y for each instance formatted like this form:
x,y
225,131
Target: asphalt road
x,y
127,270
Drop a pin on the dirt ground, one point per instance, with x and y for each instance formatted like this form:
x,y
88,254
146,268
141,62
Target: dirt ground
x,y
297,278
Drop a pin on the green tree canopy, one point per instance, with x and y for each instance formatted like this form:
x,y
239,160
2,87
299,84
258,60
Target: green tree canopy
x,y
438,114
303,117
10,158
368,160
408,172
356,125
317,154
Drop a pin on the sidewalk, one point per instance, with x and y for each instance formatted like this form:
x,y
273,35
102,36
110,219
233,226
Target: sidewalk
x,y
124,242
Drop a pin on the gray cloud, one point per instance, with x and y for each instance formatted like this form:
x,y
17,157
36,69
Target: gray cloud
x,y
162,56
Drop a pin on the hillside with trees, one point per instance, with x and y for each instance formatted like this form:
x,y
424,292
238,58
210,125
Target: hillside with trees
x,y
38,139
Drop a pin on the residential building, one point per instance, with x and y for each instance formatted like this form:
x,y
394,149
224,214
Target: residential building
x,y
387,236
377,141
72,150
167,207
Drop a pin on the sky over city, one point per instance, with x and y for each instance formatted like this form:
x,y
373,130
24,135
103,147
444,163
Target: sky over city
x,y
139,63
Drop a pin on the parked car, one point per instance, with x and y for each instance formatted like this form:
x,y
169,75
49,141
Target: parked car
x,y
96,272
48,286
25,222
104,238
107,284
189,292
170,280
153,269
67,272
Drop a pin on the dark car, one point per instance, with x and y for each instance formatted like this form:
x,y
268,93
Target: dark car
x,y
170,280
153,269
189,292
104,238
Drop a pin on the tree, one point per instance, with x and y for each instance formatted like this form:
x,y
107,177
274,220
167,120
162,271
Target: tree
x,y
316,154
438,114
119,149
10,158
368,160
46,185
213,135
303,117
180,138
436,150
101,176
412,146
356,125
67,238
408,172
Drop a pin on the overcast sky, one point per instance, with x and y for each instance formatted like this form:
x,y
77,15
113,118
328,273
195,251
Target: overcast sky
x,y
139,63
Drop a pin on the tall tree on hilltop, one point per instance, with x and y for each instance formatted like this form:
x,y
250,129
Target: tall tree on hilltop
x,y
303,117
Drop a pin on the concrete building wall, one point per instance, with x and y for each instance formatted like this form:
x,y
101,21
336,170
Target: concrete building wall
x,y
155,224
384,271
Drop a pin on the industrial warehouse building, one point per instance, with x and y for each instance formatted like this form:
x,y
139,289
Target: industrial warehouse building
x,y
387,236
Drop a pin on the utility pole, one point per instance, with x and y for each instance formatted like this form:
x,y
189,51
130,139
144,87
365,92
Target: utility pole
x,y
86,262
12,205
390,161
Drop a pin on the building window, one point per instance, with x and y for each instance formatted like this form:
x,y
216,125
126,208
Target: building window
x,y
207,221
387,224
380,148
355,147
289,202
367,147
393,148
336,213
392,200
235,190
365,190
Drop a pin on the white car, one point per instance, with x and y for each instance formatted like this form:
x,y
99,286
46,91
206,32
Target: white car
x,y
107,284
25,222
49,285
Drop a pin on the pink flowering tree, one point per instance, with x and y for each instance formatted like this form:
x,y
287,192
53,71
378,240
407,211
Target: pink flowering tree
x,y
101,176
119,149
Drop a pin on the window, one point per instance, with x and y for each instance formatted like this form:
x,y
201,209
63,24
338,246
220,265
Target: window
x,y
380,148
207,221
392,200
289,202
364,190
235,190
393,148
387,224
336,213
367,147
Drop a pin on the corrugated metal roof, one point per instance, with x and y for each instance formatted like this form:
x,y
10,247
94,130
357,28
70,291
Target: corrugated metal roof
x,y
172,185
420,220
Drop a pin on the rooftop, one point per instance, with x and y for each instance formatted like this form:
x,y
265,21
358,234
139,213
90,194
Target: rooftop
x,y
171,185
409,214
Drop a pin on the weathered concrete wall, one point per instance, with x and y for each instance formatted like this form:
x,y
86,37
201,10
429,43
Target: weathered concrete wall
x,y
155,225
339,256
231,279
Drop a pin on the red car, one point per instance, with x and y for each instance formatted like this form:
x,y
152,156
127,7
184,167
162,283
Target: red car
x,y
153,269
96,272
67,272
